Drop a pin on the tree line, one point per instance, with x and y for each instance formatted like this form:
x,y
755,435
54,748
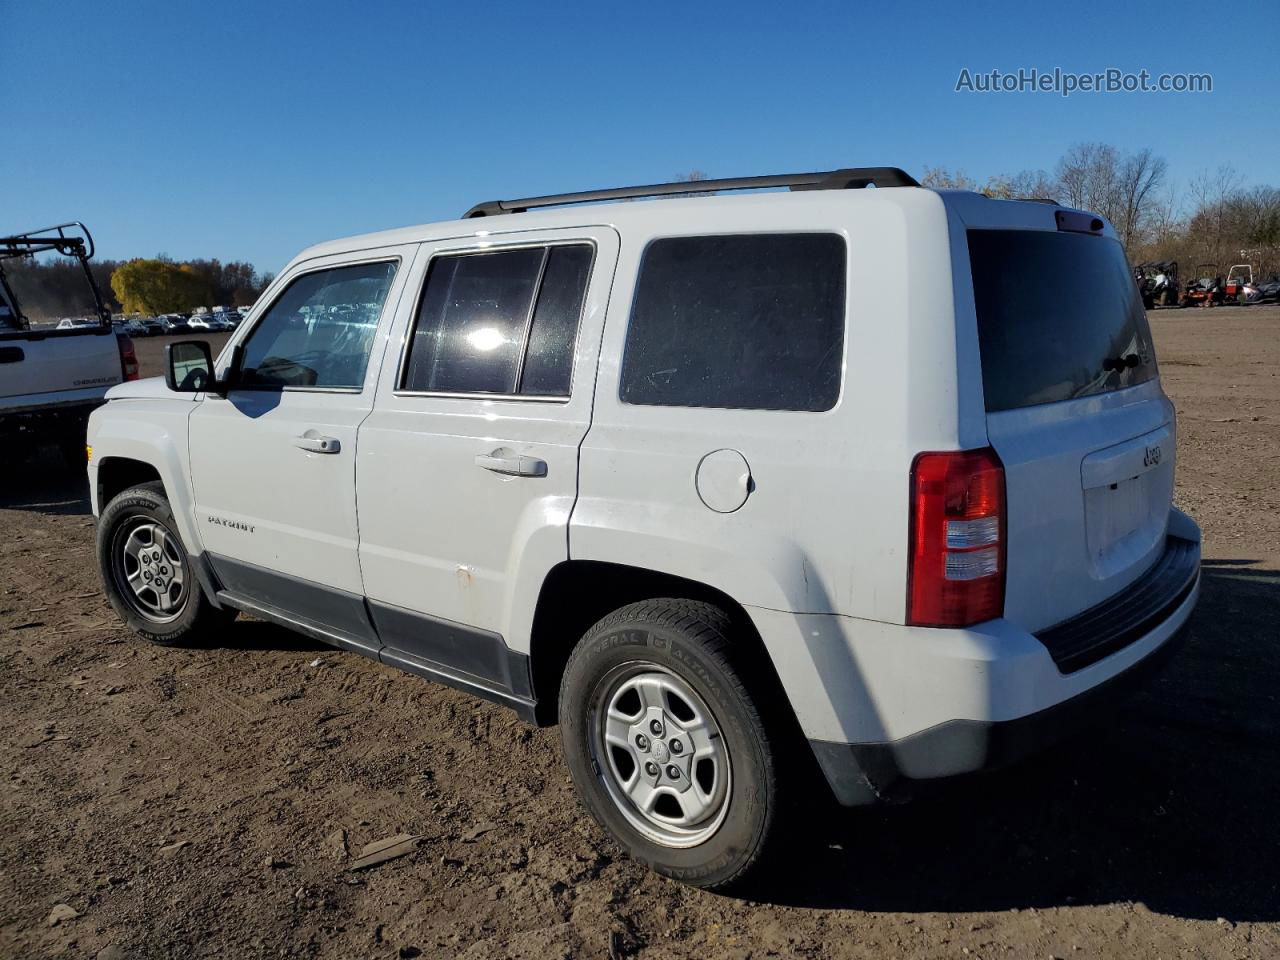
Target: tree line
x,y
54,287
1215,218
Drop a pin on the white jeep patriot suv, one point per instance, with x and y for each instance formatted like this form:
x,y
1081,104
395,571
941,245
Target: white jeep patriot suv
x,y
889,470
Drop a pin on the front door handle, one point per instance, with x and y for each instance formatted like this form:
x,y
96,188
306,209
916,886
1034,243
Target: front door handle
x,y
317,444
511,464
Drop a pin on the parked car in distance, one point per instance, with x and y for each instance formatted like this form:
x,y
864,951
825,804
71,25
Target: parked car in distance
x,y
664,474
203,321
152,326
1269,290
76,323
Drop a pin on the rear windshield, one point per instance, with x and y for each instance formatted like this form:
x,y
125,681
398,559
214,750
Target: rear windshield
x,y
1059,317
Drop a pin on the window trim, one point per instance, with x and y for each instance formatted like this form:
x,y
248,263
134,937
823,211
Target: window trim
x,y
402,370
845,319
257,322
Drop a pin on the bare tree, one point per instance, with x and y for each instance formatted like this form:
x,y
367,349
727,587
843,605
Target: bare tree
x,y
1028,184
1212,219
1209,194
939,178
1137,178
1163,218
1088,176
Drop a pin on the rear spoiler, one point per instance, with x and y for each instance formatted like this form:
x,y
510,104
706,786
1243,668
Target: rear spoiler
x,y
71,239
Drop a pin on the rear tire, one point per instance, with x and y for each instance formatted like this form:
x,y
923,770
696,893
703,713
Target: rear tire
x,y
147,573
669,751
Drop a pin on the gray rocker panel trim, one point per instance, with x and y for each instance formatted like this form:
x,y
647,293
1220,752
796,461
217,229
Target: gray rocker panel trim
x,y
468,659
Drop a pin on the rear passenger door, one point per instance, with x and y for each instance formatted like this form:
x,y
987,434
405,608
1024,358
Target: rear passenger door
x,y
467,468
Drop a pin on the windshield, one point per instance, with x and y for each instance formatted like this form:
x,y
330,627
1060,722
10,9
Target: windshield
x,y
1059,317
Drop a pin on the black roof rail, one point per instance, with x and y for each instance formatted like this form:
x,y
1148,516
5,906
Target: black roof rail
x,y
852,177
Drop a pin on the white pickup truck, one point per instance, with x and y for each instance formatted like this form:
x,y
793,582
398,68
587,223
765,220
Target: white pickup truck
x,y
52,379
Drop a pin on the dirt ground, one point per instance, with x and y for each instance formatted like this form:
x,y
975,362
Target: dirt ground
x,y
207,802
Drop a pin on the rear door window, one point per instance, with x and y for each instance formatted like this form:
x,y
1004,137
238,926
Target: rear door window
x,y
500,322
1059,317
746,322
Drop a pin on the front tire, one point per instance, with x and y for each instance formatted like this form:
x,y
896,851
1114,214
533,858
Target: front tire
x,y
668,749
147,574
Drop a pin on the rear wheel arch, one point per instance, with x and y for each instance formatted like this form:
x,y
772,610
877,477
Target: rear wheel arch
x,y
577,594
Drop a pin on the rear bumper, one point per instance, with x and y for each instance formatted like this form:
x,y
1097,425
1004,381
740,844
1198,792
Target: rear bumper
x,y
886,706
867,773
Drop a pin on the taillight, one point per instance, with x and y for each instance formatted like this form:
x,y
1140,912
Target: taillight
x,y
128,357
955,575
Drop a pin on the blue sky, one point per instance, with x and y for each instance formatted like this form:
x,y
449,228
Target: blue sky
x,y
251,130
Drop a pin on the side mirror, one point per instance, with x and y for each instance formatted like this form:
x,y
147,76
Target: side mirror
x,y
188,366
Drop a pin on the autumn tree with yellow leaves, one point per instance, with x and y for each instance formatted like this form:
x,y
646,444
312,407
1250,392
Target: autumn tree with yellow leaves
x,y
158,286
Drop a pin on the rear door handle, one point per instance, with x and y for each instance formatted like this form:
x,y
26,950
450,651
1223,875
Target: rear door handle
x,y
511,464
317,444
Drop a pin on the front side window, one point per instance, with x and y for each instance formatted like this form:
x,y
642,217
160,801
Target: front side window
x,y
503,322
319,332
745,322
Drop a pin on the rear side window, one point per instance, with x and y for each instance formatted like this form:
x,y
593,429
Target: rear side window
x,y
1059,317
503,322
746,322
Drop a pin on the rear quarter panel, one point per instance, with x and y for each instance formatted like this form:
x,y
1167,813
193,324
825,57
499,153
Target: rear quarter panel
x,y
825,530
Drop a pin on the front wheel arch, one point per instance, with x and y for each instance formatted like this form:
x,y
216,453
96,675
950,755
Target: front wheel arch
x,y
118,474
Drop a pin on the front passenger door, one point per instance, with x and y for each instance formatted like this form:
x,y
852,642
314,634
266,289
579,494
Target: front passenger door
x,y
273,462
